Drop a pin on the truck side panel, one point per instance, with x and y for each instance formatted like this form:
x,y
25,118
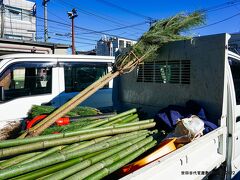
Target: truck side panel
x,y
207,85
206,78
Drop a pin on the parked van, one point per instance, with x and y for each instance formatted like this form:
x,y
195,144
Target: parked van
x,y
34,79
201,69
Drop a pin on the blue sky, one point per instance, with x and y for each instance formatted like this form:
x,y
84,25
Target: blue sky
x,y
99,15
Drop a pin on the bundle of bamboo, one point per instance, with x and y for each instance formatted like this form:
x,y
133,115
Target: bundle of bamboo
x,y
86,151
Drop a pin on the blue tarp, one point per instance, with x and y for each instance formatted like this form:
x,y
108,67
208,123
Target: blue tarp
x,y
167,118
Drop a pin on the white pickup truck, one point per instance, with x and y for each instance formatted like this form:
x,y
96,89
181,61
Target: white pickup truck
x,y
36,79
200,69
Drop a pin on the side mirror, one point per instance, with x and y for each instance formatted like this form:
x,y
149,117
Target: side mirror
x,y
2,95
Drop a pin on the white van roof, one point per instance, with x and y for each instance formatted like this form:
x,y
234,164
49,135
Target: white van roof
x,y
32,55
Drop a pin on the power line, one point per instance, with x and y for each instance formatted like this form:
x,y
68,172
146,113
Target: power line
x,y
217,22
125,27
125,10
75,41
68,35
221,6
82,28
96,15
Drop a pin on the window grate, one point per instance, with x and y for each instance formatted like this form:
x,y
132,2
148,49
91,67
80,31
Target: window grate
x,y
174,72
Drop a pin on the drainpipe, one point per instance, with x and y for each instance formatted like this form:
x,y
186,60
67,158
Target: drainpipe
x,y
2,20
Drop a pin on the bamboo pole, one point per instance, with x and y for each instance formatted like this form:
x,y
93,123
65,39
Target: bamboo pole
x,y
117,165
59,157
110,160
86,144
124,121
17,159
102,122
115,121
53,168
88,162
43,154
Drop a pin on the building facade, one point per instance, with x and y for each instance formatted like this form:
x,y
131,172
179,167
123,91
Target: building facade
x,y
18,20
110,46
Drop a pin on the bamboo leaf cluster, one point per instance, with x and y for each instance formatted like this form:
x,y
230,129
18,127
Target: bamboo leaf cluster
x,y
78,111
162,32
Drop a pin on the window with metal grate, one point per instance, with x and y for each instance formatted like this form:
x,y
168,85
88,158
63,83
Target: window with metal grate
x,y
174,72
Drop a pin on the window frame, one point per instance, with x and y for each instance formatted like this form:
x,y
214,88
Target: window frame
x,y
25,64
79,64
18,11
234,62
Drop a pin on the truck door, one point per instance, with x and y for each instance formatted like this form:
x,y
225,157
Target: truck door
x,y
234,121
26,84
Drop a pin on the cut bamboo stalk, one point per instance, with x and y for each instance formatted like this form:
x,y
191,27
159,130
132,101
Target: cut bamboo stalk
x,y
87,131
58,157
110,160
17,159
17,142
117,165
93,117
124,121
54,168
43,154
88,162
86,144
115,121
102,122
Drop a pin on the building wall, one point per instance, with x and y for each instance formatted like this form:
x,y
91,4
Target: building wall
x,y
102,48
16,46
17,20
106,45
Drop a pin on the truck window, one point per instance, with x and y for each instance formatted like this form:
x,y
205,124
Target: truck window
x,y
26,80
80,76
235,68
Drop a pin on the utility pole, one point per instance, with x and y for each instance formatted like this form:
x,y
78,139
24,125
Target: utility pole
x,y
151,22
45,20
72,15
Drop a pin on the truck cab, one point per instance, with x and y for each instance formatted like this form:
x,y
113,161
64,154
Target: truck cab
x,y
34,79
200,69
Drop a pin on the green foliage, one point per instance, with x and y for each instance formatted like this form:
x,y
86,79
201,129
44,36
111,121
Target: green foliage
x,y
163,31
78,111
